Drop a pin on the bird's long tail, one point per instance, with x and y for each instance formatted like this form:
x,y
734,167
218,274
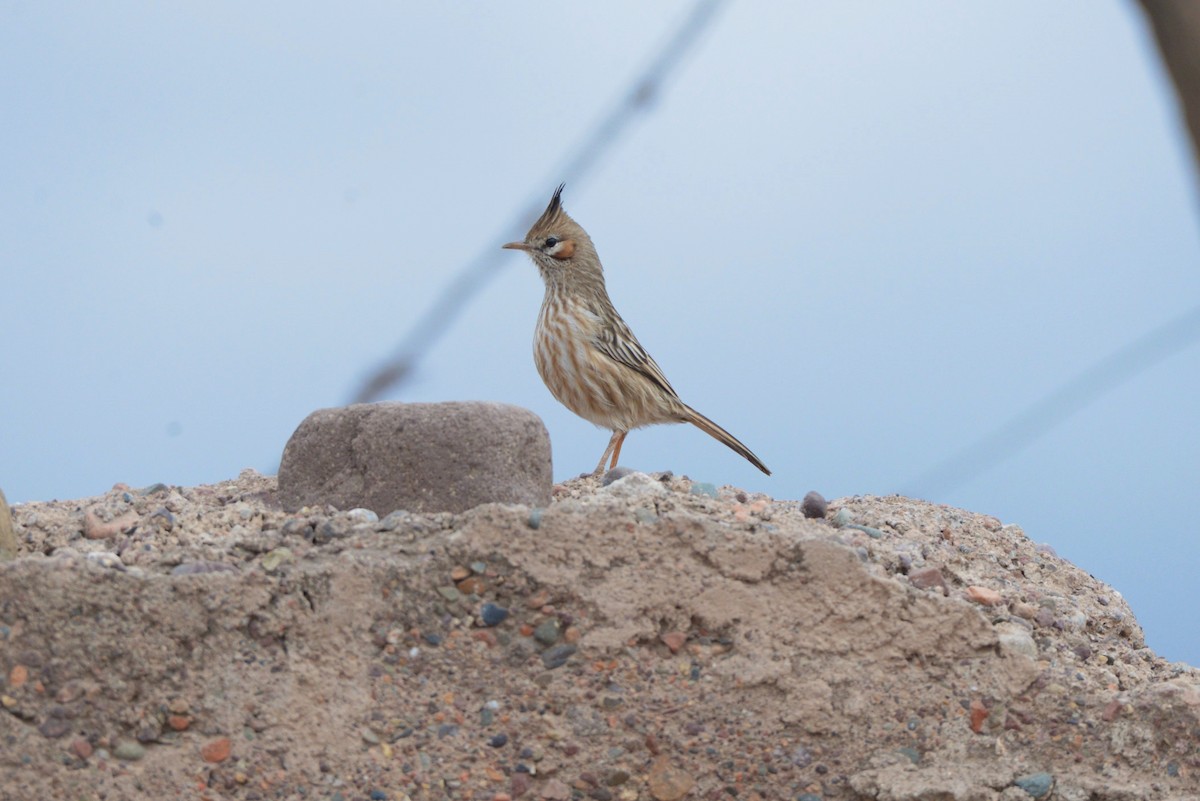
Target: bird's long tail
x,y
716,432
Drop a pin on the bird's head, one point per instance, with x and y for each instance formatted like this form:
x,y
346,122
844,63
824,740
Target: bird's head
x,y
559,246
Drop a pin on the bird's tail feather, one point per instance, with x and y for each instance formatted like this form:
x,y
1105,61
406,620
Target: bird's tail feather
x,y
716,432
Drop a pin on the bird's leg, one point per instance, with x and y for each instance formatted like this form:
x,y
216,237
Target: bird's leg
x,y
613,442
616,451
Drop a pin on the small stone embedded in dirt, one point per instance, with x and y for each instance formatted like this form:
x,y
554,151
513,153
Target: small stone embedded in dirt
x,y
705,488
129,751
1038,785
96,527
618,472
492,614
927,578
54,728
217,750
979,713
814,506
674,640
984,596
423,457
557,656
667,782
547,632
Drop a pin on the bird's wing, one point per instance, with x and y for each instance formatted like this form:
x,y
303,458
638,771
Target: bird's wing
x,y
617,342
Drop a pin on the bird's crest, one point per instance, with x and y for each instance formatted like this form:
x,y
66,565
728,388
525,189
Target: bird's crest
x,y
553,210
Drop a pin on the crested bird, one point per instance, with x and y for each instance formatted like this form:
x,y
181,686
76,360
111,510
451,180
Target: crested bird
x,y
590,360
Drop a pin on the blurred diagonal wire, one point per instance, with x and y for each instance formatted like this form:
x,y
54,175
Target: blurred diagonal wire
x,y
638,99
1022,430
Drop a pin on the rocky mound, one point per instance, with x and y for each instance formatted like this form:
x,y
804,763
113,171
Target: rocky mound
x,y
655,638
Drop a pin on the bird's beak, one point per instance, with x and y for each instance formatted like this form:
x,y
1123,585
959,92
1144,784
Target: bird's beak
x,y
517,246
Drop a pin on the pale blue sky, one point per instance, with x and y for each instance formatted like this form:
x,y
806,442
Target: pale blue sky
x,y
857,235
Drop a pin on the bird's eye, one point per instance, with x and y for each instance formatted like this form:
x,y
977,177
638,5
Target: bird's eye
x,y
551,241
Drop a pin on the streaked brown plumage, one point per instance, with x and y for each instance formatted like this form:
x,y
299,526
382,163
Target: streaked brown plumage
x,y
590,360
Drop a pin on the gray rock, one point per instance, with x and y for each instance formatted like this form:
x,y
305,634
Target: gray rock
x,y
421,457
8,538
814,505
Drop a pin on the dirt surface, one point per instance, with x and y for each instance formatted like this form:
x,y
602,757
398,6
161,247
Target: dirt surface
x,y
651,639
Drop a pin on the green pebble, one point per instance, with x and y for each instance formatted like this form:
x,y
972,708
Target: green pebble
x,y
449,593
275,558
1037,785
913,754
704,488
478,567
535,518
129,751
842,518
547,632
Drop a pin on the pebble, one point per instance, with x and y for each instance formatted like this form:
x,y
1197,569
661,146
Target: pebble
x,y
18,676
557,656
842,517
82,748
617,473
814,505
451,594
378,795
674,640
54,728
472,585
547,632
979,713
927,578
360,515
913,754
478,567
1037,785
643,515
274,558
870,531
535,518
129,751
1015,640
499,741
492,614
163,518
392,521
704,488
667,782
96,529
458,573
616,778
984,596
217,750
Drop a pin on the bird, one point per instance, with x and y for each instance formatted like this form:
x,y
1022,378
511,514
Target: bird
x,y
587,355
